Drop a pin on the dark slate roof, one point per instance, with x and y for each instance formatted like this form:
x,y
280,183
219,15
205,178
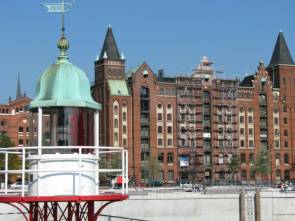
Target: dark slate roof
x,y
281,53
110,46
247,81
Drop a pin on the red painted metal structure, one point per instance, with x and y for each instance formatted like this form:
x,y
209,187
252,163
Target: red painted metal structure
x,y
57,208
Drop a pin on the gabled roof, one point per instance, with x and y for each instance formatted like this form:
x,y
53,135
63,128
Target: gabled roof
x,y
132,70
109,49
281,53
247,81
118,87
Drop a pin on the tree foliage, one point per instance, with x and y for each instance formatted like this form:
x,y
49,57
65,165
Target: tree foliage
x,y
154,167
13,159
234,166
261,165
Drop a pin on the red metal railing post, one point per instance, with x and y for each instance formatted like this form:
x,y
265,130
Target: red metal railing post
x,y
90,210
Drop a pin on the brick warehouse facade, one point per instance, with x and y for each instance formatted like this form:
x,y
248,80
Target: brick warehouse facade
x,y
194,125
15,119
188,127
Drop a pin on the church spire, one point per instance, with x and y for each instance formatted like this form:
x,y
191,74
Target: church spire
x,y
281,53
18,89
110,47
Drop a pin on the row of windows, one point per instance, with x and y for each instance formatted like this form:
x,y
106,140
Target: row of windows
x,y
4,111
250,119
160,117
21,142
169,142
21,129
170,158
160,129
251,158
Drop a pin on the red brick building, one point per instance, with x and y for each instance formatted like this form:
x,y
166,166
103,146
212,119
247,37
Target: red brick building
x,y
15,119
193,125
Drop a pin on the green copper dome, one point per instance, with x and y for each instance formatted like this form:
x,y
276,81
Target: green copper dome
x,y
63,84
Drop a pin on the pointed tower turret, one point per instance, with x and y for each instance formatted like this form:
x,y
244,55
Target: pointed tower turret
x,y
281,53
18,89
110,47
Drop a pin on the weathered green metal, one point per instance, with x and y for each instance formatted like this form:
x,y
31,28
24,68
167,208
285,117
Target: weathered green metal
x,y
118,87
64,85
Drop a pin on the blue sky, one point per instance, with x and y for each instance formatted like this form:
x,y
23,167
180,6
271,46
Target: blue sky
x,y
172,35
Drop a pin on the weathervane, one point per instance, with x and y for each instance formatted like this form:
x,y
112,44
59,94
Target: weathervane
x,y
60,8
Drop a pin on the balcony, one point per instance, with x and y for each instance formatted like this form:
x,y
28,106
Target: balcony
x,y
144,134
263,114
145,148
263,125
144,121
206,123
207,148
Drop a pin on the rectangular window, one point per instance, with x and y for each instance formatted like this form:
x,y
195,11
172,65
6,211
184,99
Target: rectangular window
x,y
160,142
125,142
242,131
276,120
170,176
243,158
170,158
286,158
115,123
21,142
160,129
285,133
242,143
250,119
124,116
27,129
285,120
241,119
169,129
169,117
250,131
170,143
124,129
161,157
20,129
116,138
160,117
277,144
286,143
251,143
277,132
228,119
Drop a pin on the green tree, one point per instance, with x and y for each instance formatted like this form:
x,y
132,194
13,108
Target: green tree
x,y
13,159
261,165
234,166
154,167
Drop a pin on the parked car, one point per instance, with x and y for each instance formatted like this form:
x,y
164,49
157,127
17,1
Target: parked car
x,y
185,184
154,183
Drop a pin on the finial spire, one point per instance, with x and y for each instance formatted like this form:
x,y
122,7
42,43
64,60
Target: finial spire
x,y
62,8
18,89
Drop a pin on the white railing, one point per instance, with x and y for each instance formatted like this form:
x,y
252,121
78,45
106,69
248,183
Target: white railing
x,y
77,152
